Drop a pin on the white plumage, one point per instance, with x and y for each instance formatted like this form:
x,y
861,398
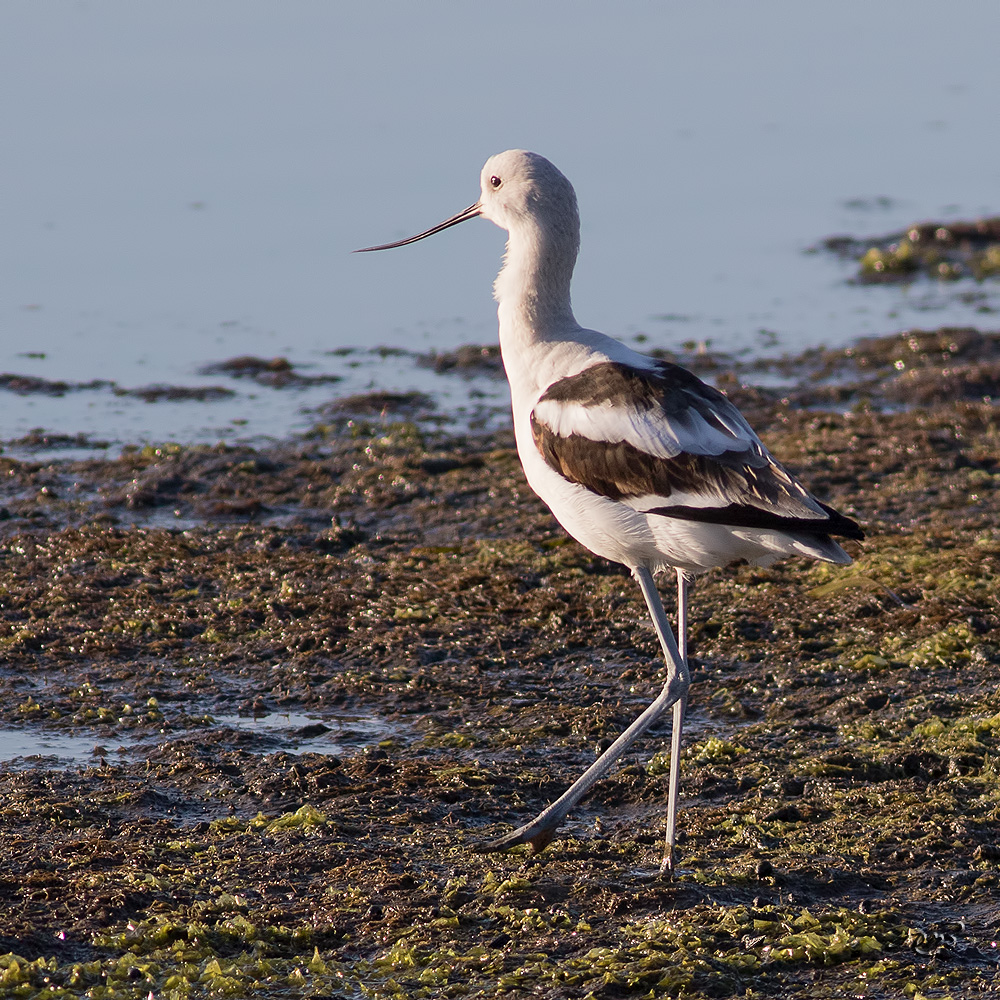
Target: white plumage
x,y
638,459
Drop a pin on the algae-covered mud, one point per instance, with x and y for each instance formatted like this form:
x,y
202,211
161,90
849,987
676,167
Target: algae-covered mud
x,y
259,706
947,251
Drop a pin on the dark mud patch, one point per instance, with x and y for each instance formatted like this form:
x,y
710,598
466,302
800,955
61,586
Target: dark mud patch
x,y
40,439
34,385
276,373
381,403
841,804
177,393
944,251
470,359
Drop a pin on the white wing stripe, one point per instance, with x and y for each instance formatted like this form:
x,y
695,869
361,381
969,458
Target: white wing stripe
x,y
652,501
652,432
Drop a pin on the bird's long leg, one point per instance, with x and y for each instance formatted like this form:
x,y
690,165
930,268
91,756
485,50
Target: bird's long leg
x,y
542,828
677,730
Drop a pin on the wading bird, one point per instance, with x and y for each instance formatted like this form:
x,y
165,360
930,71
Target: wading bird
x,y
638,459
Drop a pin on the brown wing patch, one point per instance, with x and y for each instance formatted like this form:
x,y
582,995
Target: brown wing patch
x,y
619,470
745,485
760,498
668,388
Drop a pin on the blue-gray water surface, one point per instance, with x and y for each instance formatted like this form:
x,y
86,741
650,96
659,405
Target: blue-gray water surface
x,y
184,182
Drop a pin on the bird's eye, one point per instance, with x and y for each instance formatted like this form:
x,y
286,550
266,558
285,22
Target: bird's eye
x,y
495,181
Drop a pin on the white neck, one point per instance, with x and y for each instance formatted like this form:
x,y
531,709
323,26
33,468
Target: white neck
x,y
532,288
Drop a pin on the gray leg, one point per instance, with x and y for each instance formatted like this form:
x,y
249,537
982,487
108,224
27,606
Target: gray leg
x,y
542,828
676,732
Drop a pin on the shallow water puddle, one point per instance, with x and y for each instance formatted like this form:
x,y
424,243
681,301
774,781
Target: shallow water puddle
x,y
25,747
291,732
310,732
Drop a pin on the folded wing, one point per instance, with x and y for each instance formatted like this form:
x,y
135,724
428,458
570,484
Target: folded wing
x,y
663,442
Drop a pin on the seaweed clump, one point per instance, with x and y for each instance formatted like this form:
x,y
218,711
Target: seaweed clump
x,y
946,251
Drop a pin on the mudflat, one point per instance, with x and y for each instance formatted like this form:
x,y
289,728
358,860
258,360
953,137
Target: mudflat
x,y
313,677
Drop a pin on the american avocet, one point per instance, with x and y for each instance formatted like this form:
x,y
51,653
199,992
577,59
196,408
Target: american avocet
x,y
639,460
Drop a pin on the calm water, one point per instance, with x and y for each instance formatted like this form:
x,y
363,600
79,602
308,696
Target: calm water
x,y
183,182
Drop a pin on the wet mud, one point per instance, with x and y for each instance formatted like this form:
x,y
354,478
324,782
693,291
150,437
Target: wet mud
x,y
471,359
841,794
276,373
411,405
32,385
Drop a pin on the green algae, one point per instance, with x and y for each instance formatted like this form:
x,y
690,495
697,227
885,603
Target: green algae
x,y
304,818
908,257
176,962
677,956
945,251
951,646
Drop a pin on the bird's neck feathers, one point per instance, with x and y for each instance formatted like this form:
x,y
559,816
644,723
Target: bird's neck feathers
x,y
532,288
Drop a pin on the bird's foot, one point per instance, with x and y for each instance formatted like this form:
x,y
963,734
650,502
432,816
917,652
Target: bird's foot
x,y
667,865
539,839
